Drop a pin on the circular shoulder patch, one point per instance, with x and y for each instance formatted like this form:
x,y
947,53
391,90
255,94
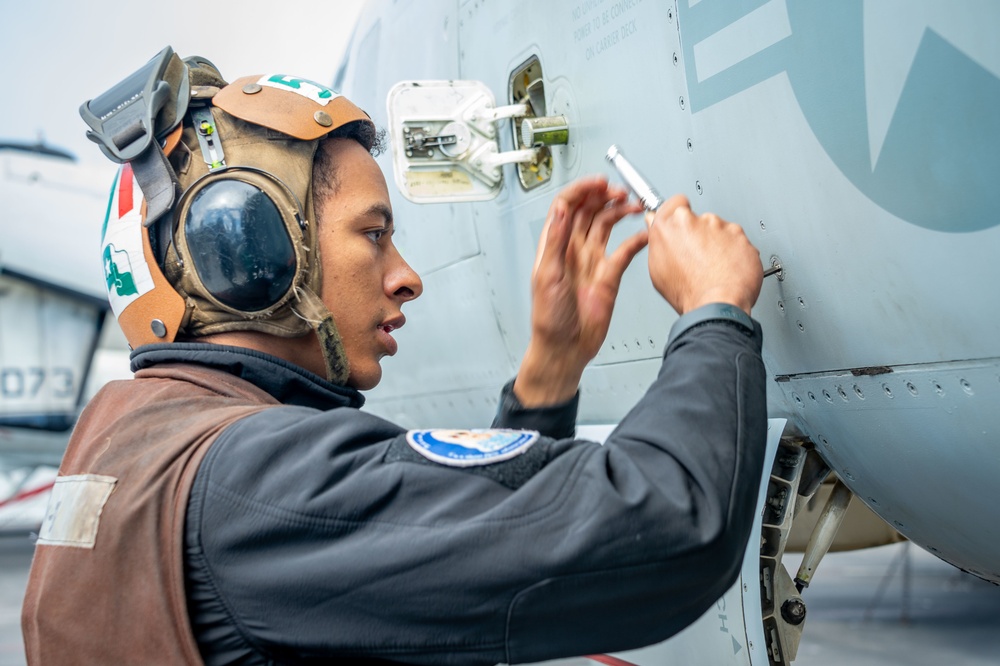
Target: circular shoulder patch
x,y
468,448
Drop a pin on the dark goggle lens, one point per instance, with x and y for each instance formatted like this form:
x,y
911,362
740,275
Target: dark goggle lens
x,y
239,245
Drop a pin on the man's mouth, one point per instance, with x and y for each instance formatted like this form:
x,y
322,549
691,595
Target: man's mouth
x,y
386,328
390,325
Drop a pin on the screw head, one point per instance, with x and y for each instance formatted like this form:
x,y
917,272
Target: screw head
x,y
159,328
793,611
251,88
323,118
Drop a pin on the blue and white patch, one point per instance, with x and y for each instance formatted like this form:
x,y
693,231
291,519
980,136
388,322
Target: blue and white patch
x,y
469,448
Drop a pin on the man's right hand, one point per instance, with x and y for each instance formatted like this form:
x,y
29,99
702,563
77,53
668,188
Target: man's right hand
x,y
695,260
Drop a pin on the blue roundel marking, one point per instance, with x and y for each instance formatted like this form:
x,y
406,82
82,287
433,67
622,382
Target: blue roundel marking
x,y
467,448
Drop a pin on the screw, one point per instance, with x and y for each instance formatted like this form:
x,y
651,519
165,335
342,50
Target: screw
x,y
680,100
323,119
793,611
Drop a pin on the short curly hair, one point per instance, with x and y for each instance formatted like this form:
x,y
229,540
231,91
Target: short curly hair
x,y
325,180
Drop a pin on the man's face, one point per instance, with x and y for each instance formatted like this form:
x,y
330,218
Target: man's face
x,y
365,280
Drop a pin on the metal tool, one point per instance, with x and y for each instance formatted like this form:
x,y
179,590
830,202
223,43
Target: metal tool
x,y
647,195
651,200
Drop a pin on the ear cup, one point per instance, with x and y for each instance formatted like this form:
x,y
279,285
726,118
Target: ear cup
x,y
239,245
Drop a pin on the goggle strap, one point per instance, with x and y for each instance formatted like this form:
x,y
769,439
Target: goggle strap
x,y
311,308
157,181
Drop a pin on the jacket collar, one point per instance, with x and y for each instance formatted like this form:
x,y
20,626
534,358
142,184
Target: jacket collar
x,y
286,382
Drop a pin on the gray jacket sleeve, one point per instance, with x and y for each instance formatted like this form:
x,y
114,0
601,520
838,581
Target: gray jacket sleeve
x,y
312,534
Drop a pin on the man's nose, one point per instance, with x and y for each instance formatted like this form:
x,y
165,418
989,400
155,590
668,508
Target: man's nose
x,y
404,283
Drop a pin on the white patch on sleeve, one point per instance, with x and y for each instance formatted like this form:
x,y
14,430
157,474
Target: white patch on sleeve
x,y
468,448
74,510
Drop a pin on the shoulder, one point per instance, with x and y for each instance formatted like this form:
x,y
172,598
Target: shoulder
x,y
274,454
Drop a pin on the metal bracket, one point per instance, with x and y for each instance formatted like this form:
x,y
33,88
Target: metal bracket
x,y
445,141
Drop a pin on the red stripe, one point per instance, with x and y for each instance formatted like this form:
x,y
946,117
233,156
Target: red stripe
x,y
609,660
27,493
125,202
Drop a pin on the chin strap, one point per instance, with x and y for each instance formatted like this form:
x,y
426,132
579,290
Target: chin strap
x,y
312,310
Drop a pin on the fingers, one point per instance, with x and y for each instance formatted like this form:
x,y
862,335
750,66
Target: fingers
x,y
554,240
617,208
623,256
598,197
669,207
578,229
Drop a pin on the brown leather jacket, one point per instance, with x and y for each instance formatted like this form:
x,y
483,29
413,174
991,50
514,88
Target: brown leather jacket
x,y
127,602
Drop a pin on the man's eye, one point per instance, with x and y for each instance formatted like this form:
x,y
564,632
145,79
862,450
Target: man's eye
x,y
375,235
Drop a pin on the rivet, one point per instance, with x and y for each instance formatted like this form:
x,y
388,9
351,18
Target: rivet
x,y
898,524
252,88
680,100
159,328
847,473
798,400
802,302
690,145
670,14
911,388
938,389
323,118
781,306
967,387
676,60
842,393
826,394
873,501
859,392
697,186
812,396
888,391
800,325
762,225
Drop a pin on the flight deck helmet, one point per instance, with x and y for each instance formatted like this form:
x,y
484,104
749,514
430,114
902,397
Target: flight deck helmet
x,y
211,226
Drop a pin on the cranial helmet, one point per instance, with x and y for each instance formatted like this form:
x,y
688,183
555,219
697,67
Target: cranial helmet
x,y
211,226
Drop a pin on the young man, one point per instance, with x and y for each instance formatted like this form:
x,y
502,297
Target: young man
x,y
232,504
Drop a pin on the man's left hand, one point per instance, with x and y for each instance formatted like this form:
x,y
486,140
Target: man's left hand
x,y
574,285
